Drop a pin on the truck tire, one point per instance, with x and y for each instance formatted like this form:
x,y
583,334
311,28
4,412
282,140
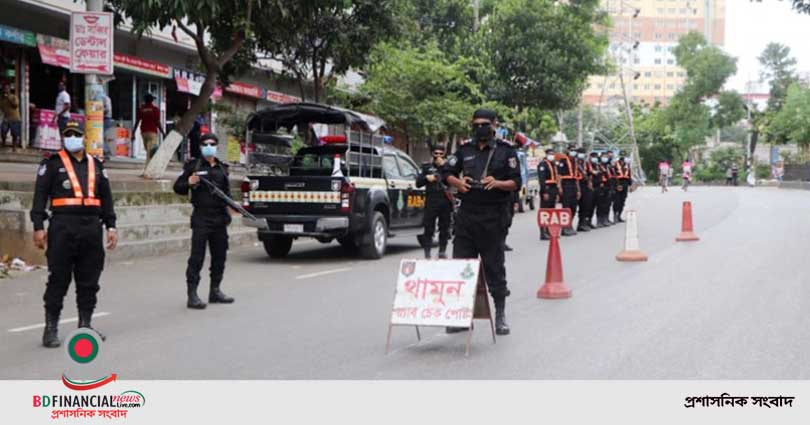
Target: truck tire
x,y
277,246
374,246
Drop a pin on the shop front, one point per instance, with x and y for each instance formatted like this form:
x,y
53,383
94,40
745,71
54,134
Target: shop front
x,y
13,46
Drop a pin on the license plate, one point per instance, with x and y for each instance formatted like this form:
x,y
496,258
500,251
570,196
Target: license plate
x,y
293,228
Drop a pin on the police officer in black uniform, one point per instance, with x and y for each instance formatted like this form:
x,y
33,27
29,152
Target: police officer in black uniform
x,y
438,203
209,220
623,182
485,172
603,192
585,168
81,201
594,177
569,187
549,186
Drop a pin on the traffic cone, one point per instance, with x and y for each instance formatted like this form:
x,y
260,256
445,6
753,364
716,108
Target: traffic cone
x,y
554,287
687,233
631,250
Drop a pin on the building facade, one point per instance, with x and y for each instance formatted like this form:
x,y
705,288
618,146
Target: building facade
x,y
643,36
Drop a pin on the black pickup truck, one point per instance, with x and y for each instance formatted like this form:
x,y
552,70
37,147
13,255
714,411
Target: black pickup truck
x,y
347,185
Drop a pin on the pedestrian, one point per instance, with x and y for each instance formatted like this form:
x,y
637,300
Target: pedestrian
x,y
485,172
62,109
438,203
734,174
148,118
569,186
663,175
195,134
670,172
549,186
603,193
209,221
686,167
10,107
78,189
623,182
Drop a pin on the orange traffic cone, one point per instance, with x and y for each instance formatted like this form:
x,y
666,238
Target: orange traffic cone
x,y
554,287
631,250
687,233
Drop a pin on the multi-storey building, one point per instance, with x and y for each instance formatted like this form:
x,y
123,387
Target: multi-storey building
x,y
642,39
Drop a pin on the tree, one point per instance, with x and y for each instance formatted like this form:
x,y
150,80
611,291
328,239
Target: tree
x,y
222,32
322,39
447,22
793,120
778,68
730,109
542,51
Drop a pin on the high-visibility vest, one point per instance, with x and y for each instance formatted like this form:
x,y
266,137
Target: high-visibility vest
x,y
78,198
578,170
623,171
571,170
553,175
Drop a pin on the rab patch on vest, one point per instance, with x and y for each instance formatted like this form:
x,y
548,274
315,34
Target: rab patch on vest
x,y
452,161
66,184
42,169
512,162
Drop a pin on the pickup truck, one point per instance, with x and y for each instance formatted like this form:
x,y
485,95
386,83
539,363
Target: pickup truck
x,y
347,185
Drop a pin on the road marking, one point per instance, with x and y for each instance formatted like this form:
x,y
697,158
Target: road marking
x,y
61,322
323,273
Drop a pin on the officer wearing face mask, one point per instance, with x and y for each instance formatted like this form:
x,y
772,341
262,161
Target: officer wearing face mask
x,y
603,192
585,168
549,186
569,185
611,185
80,202
596,183
209,221
438,203
485,172
623,182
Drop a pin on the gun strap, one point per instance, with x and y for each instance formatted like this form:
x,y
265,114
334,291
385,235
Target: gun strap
x,y
489,158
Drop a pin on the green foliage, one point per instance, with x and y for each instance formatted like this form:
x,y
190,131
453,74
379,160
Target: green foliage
x,y
447,22
542,51
707,67
730,109
778,68
792,122
714,169
763,171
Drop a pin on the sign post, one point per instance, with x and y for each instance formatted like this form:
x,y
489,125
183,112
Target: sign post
x,y
448,293
555,219
91,53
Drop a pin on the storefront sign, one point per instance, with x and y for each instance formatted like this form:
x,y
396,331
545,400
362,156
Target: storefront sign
x,y
13,35
276,97
143,66
191,83
243,89
47,132
54,51
91,42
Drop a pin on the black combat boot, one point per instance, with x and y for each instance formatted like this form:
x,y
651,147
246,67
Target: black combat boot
x,y
619,218
194,302
216,296
569,232
427,253
507,248
84,322
544,235
50,338
501,327
600,222
583,226
443,251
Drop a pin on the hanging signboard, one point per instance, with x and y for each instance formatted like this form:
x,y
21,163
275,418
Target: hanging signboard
x,y
13,35
440,293
91,43
191,83
143,66
244,89
54,51
276,97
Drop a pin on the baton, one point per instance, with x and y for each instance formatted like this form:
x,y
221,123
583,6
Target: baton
x,y
233,204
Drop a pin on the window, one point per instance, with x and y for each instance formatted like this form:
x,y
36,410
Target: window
x,y
636,61
648,74
670,86
409,170
670,61
660,11
658,61
646,87
670,48
390,167
672,36
635,86
658,87
670,74
671,10
658,48
658,36
681,74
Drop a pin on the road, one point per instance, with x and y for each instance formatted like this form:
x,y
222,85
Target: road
x,y
732,306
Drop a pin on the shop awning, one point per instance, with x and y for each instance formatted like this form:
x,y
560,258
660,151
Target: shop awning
x,y
13,35
191,82
143,66
54,51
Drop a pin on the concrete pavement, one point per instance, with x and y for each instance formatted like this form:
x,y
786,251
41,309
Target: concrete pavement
x,y
732,306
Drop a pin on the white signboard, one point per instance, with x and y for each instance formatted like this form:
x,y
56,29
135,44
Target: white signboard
x,y
435,293
91,43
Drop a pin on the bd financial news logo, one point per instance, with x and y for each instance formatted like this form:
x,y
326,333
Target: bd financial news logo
x,y
88,398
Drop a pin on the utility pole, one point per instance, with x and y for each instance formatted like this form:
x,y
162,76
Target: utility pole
x,y
579,125
94,92
476,7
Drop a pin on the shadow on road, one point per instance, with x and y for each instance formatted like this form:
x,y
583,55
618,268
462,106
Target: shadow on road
x,y
324,253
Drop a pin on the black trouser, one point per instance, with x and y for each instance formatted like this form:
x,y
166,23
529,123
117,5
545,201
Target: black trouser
x,y
586,202
437,209
480,230
75,250
217,239
734,180
569,195
552,191
622,186
611,195
602,201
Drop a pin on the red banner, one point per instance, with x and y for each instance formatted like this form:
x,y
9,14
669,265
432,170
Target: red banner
x,y
276,97
54,51
244,89
142,65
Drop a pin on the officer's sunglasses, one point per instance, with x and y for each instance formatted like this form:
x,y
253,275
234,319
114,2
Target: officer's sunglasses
x,y
209,144
438,154
72,134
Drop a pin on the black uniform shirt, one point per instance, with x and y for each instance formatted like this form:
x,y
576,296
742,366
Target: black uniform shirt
x,y
53,182
205,202
545,172
565,168
427,170
471,160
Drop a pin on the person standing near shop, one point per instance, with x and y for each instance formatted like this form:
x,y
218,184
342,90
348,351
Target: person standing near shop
x,y
485,172
438,203
209,221
10,106
148,118
62,110
81,201
549,186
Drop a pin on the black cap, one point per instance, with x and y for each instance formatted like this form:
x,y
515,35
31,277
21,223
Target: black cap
x,y
148,97
209,136
484,113
437,147
73,126
549,150
594,154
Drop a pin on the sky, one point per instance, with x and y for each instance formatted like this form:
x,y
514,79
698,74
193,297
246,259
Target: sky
x,y
750,26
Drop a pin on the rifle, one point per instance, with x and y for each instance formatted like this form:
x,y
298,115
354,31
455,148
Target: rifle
x,y
260,223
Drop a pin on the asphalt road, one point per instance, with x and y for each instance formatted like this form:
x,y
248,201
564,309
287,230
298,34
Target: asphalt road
x,y
732,306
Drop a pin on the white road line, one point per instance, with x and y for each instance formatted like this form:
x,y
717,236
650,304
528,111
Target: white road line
x,y
325,272
61,322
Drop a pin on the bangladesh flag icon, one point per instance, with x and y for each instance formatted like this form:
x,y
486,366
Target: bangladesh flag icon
x,y
83,346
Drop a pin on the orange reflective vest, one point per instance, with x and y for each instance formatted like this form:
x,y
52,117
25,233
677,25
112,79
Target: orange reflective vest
x,y
553,172
571,170
623,171
78,198
578,169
